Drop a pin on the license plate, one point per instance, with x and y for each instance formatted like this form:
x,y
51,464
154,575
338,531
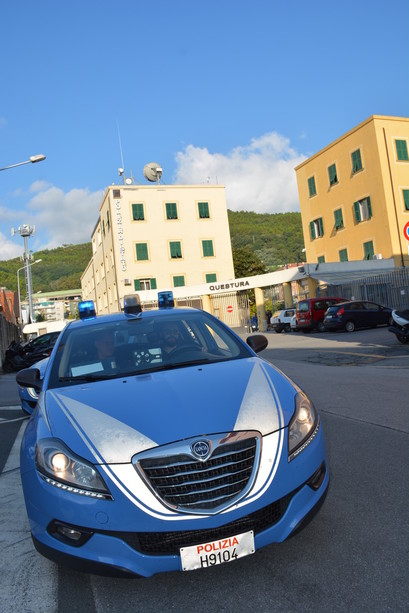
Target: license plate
x,y
217,552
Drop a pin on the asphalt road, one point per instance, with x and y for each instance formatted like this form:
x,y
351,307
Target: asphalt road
x,y
353,557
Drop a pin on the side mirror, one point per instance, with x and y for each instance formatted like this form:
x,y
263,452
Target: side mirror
x,y
257,342
29,377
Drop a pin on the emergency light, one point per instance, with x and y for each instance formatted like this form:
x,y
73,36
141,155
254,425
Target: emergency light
x,y
86,309
166,300
132,304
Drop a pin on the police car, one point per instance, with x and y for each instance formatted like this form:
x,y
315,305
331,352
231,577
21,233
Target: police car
x,y
161,441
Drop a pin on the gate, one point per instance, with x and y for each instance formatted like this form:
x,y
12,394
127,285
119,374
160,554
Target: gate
x,y
232,309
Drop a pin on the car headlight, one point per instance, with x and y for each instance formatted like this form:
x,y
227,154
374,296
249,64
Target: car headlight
x,y
62,468
303,427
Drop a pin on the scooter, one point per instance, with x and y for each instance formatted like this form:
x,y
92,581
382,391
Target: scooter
x,y
18,357
400,326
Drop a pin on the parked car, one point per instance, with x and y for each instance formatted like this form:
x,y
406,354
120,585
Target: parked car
x,y
356,314
137,461
293,323
281,320
311,311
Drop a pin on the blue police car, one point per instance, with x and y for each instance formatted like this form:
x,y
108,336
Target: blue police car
x,y
161,441
28,395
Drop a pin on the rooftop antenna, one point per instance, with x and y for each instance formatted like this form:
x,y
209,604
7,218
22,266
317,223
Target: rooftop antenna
x,y
121,171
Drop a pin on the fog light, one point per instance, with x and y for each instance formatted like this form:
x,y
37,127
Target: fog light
x,y
318,477
71,535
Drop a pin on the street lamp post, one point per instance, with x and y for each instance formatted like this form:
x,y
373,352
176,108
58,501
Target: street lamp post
x,y
32,160
19,295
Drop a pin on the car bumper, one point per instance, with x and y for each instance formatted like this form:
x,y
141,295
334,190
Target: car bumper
x,y
124,539
333,325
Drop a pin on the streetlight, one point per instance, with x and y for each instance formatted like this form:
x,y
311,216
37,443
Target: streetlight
x,y
18,290
32,160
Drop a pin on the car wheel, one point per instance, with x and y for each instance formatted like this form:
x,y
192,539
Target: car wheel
x,y
349,326
278,330
320,326
402,339
287,328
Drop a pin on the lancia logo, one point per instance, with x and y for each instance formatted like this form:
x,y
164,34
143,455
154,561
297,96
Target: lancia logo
x,y
201,449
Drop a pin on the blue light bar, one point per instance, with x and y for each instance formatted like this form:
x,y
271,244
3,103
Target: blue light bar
x,y
86,309
132,304
166,300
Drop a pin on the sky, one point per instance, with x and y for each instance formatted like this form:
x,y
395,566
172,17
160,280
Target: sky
x,y
232,92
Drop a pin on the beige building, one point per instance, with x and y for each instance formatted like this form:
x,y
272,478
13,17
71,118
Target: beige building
x,y
157,237
354,194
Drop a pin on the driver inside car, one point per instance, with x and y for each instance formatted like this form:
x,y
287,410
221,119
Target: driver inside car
x,y
170,338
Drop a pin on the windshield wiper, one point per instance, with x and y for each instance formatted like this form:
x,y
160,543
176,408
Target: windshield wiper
x,y
88,377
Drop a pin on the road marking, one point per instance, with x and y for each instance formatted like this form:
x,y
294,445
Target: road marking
x,y
28,582
11,407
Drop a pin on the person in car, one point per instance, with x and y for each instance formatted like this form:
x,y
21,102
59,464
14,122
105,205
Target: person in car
x,y
170,337
105,346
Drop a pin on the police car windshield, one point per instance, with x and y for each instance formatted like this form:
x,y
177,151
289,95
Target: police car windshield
x,y
132,346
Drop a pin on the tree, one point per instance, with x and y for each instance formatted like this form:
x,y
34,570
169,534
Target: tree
x,y
247,263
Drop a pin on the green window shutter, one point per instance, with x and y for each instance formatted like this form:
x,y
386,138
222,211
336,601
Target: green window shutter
x,y
321,259
356,161
368,203
203,210
175,250
368,250
402,150
179,281
343,255
321,226
357,211
103,227
108,220
311,186
142,251
207,249
137,285
153,283
405,193
339,222
171,210
138,212
312,230
332,173
211,277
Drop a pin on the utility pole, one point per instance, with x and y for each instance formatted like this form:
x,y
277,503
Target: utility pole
x,y
26,231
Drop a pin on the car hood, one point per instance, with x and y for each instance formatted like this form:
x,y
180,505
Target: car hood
x,y
109,421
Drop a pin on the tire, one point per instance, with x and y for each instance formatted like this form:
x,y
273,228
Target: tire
x,y
349,326
287,328
278,330
320,326
402,339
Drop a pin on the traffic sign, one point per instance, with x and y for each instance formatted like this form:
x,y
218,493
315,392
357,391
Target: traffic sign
x,y
406,231
230,309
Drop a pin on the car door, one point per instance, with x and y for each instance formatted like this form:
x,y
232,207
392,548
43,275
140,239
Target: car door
x,y
373,314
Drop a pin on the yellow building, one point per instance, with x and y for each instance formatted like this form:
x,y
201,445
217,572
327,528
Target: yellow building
x,y
354,194
155,237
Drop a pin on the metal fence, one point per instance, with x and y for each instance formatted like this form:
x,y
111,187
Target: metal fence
x,y
389,289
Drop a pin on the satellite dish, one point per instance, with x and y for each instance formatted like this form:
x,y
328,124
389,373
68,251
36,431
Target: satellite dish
x,y
128,181
152,172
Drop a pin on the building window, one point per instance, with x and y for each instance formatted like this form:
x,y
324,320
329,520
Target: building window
x,y
116,193
311,187
211,277
179,281
141,251
368,250
363,209
402,150
405,193
171,210
144,284
103,227
321,259
108,221
175,250
138,213
356,161
339,221
343,255
207,248
332,174
316,228
203,209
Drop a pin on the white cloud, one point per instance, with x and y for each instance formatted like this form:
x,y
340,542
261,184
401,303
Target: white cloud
x,y
8,249
65,217
259,177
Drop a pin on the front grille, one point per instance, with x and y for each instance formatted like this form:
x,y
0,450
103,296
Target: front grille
x,y
169,543
186,484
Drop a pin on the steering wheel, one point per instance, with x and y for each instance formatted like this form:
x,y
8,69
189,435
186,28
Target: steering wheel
x,y
182,348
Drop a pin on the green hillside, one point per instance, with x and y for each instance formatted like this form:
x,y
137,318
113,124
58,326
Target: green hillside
x,y
276,239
